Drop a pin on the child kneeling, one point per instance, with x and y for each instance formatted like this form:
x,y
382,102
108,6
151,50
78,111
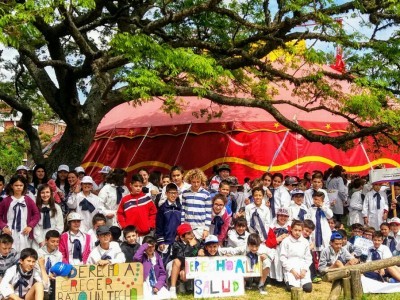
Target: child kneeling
x,y
296,259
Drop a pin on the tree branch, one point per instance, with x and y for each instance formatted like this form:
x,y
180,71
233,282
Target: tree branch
x,y
337,142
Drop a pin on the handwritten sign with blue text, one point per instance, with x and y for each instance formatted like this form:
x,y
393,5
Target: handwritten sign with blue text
x,y
119,281
213,286
238,265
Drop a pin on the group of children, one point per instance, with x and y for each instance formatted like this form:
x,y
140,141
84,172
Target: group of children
x,y
290,230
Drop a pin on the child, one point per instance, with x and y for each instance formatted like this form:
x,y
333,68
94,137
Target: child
x,y
168,218
297,208
211,246
19,213
177,178
129,246
394,204
154,274
375,207
319,214
22,280
8,255
220,218
332,223
258,214
75,246
236,195
394,229
51,256
280,193
112,193
388,240
223,173
345,244
308,229
380,251
97,221
246,187
356,202
237,237
296,258
137,209
281,228
256,250
116,233
85,203
196,204
107,252
335,256
316,186
224,189
50,250
186,246
51,217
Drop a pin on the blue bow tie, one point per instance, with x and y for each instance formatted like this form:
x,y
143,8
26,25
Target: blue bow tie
x,y
86,205
16,224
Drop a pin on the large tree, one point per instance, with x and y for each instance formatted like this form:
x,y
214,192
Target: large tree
x,y
84,57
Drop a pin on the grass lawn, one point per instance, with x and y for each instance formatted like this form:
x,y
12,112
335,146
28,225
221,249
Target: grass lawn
x,y
320,292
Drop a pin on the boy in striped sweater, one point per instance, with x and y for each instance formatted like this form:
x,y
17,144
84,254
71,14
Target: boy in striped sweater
x,y
196,204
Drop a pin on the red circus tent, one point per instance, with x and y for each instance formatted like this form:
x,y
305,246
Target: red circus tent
x,y
247,139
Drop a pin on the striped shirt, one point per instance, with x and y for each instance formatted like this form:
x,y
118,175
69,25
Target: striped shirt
x,y
196,208
8,261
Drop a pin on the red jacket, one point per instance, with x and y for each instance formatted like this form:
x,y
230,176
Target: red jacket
x,y
139,211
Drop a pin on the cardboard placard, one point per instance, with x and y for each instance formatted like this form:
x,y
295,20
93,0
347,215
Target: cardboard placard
x,y
363,244
119,281
214,286
221,265
384,175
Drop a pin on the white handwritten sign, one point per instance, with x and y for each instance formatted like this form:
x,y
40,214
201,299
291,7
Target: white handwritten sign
x,y
384,175
213,286
363,244
239,265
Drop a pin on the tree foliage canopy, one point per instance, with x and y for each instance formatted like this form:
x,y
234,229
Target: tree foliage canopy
x,y
78,59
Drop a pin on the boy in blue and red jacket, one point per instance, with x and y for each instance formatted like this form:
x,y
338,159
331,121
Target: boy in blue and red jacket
x,y
137,209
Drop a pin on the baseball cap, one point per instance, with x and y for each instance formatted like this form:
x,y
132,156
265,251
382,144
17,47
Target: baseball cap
x,y
183,228
105,170
224,167
211,239
63,168
291,180
233,181
61,269
296,192
22,167
283,212
74,216
103,229
87,179
395,220
80,170
336,236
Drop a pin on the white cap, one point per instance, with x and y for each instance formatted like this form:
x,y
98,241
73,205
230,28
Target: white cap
x,y
63,168
211,239
22,167
80,170
87,179
105,170
74,216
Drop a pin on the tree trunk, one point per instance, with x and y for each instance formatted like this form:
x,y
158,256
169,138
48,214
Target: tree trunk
x,y
72,146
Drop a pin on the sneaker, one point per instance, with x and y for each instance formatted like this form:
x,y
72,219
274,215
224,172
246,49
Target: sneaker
x,y
262,290
316,279
172,293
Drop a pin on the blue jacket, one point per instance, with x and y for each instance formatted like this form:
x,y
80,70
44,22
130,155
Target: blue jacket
x,y
167,220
